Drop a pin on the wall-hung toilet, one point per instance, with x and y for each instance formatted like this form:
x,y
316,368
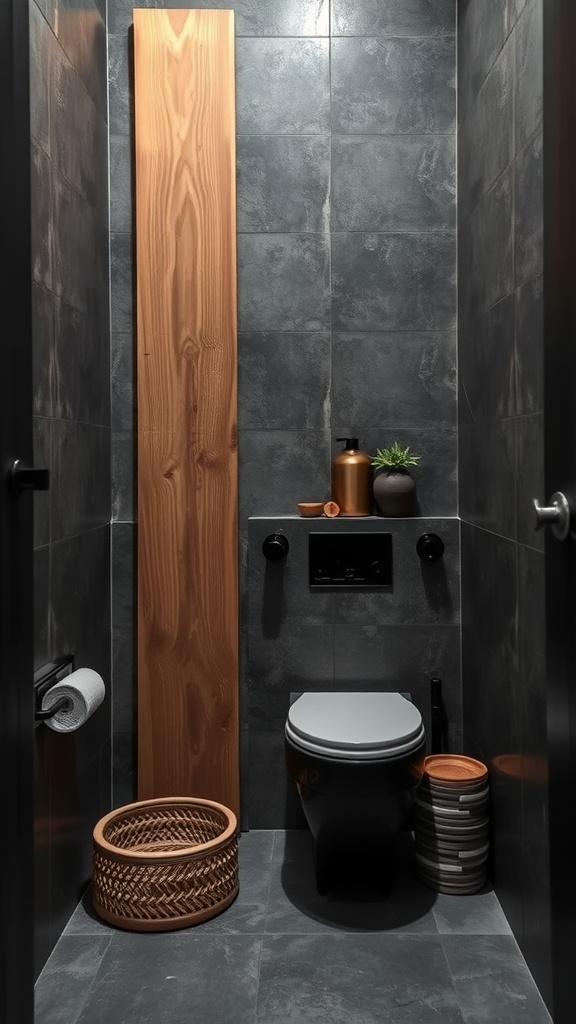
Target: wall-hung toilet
x,y
356,759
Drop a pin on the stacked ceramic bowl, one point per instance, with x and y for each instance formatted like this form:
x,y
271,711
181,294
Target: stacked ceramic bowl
x,y
451,824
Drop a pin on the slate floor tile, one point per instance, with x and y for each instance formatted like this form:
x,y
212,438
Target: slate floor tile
x,y
175,978
355,979
492,981
65,982
295,907
479,914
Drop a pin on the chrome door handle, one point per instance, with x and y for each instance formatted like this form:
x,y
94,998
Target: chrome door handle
x,y
557,514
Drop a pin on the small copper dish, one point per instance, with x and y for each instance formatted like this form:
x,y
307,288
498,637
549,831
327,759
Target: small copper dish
x,y
308,509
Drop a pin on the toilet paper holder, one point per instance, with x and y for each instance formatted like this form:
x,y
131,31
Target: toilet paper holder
x,y
47,677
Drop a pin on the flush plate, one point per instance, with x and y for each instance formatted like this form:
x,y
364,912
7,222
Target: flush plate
x,y
348,560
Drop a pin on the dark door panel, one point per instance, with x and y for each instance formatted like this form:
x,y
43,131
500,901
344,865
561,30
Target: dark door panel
x,y
560,472
16,537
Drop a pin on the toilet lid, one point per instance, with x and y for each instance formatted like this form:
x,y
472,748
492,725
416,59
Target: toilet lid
x,y
356,726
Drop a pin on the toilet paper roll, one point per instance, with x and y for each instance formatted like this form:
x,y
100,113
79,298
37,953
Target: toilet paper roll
x,y
85,692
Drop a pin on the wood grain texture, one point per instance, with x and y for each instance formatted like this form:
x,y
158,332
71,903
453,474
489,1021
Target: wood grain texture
x,y
187,437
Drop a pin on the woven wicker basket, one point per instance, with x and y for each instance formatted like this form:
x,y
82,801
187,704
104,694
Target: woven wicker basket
x,y
164,864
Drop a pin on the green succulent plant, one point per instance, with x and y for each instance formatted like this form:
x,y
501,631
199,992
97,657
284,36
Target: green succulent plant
x,y
395,457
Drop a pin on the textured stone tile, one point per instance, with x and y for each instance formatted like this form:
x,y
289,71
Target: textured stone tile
x,y
123,476
485,252
120,83
482,29
283,182
530,347
530,478
486,140
282,86
488,362
479,914
80,478
284,282
42,456
80,363
529,72
487,457
122,273
252,17
279,593
81,32
42,217
309,977
393,184
279,468
492,981
123,578
393,282
43,303
124,698
284,381
41,51
412,379
123,382
63,987
121,198
386,86
41,606
179,975
393,18
528,218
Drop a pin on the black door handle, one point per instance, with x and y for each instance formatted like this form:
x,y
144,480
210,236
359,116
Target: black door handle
x,y
28,478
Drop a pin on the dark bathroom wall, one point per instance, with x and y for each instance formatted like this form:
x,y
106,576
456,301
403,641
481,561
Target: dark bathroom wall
x,y
346,264
71,353
501,444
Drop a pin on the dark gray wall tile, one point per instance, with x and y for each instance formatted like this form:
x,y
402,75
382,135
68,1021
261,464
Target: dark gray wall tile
x,y
42,455
412,379
123,382
80,478
393,18
529,477
283,86
392,86
279,468
485,252
41,52
43,371
530,347
121,198
122,271
123,575
487,458
487,134
120,83
299,658
81,366
283,182
393,282
487,362
75,245
123,476
279,594
528,219
74,115
284,282
42,215
284,381
393,184
482,29
252,17
81,32
529,72
123,712
41,606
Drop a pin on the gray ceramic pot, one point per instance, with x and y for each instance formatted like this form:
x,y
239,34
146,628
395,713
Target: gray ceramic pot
x,y
395,492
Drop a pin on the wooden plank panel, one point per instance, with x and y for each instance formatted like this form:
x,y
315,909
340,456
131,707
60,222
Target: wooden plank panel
x,y
187,438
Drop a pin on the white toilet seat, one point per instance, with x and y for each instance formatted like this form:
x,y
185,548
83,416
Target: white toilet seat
x,y
355,726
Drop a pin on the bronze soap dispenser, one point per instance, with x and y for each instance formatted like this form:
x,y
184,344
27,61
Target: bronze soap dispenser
x,y
352,480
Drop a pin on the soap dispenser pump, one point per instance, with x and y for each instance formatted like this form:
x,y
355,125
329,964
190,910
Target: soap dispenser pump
x,y
352,479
